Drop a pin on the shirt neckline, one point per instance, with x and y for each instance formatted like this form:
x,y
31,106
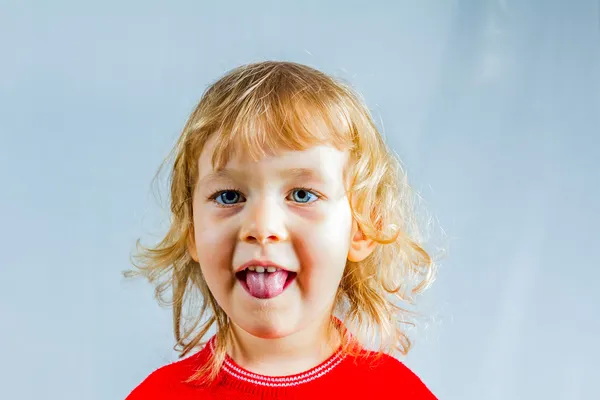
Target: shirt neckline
x,y
239,373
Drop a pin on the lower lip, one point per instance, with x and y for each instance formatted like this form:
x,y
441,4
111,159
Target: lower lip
x,y
240,276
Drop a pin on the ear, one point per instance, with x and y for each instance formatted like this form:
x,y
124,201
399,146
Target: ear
x,y
360,246
191,245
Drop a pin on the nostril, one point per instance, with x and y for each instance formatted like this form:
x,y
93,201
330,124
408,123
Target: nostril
x,y
261,240
248,238
262,233
268,239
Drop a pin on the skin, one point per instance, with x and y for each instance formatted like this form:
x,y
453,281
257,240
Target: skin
x,y
290,208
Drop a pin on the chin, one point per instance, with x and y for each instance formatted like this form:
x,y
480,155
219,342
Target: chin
x,y
267,329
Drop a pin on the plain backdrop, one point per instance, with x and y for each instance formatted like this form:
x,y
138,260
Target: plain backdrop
x,y
494,107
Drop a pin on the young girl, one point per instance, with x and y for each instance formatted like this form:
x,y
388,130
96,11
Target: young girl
x,y
292,233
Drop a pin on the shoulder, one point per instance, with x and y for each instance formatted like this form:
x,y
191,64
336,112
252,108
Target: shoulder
x,y
393,376
168,379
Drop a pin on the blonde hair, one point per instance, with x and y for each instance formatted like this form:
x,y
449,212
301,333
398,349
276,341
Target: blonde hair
x,y
262,107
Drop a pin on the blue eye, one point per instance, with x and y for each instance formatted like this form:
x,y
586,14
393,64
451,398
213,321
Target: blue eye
x,y
303,196
228,197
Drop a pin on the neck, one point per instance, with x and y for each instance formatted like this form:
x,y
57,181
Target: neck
x,y
289,355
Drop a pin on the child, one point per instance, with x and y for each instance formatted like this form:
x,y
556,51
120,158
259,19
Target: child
x,y
292,232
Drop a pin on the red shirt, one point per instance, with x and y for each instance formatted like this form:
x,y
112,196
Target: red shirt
x,y
337,377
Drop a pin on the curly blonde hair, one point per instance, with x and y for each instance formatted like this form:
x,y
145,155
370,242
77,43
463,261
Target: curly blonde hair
x,y
268,105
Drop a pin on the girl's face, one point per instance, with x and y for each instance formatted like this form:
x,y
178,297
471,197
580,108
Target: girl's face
x,y
272,237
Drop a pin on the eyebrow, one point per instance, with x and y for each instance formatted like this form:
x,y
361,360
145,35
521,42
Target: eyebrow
x,y
218,175
290,173
303,174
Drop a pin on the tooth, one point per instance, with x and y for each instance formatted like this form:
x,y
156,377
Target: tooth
x,y
260,269
271,269
251,268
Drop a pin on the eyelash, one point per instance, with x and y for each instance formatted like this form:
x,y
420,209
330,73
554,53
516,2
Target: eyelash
x,y
213,197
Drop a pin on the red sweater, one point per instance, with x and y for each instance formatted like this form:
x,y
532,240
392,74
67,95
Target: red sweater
x,y
336,377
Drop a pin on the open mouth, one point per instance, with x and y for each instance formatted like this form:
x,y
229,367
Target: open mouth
x,y
265,282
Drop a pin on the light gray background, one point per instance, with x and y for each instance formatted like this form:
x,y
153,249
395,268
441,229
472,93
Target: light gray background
x,y
494,107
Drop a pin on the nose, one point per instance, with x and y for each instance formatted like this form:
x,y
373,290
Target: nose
x,y
263,223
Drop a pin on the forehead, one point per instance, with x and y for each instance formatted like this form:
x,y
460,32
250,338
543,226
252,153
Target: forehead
x,y
319,162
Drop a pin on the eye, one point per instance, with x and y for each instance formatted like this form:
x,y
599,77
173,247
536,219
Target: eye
x,y
303,196
228,197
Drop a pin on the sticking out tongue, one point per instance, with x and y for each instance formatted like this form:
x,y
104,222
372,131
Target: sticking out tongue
x,y
267,284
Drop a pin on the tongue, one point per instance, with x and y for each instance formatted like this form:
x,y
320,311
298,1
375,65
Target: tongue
x,y
267,284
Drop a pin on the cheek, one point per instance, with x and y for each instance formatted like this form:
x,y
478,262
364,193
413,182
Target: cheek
x,y
322,246
215,243
212,231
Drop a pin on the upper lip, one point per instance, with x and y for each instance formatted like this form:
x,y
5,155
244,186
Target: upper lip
x,y
259,263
